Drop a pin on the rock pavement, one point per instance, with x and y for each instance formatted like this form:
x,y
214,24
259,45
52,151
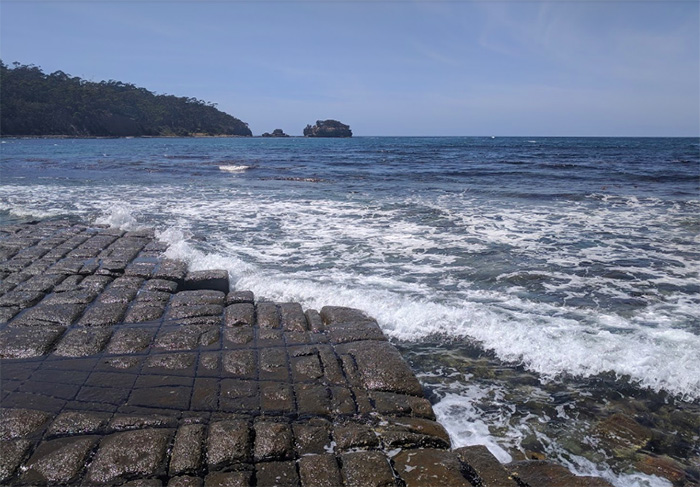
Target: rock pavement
x,y
120,367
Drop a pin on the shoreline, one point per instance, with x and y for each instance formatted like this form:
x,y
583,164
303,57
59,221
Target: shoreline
x,y
102,137
122,366
22,137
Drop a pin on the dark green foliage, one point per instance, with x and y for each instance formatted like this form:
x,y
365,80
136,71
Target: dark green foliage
x,y
328,128
34,103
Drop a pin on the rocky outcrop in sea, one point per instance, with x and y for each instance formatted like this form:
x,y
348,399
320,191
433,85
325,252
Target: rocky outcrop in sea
x,y
275,133
328,128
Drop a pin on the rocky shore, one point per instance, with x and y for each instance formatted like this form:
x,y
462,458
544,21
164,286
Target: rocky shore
x,y
120,367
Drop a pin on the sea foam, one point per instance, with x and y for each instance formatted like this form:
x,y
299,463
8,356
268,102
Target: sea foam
x,y
120,216
537,336
234,168
536,259
375,258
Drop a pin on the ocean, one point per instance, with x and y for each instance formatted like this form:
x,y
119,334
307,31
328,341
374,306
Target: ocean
x,y
541,288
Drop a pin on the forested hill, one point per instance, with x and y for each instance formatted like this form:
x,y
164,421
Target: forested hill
x,y
35,103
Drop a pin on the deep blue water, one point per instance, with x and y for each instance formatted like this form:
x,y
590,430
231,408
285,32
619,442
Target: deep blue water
x,y
508,167
571,260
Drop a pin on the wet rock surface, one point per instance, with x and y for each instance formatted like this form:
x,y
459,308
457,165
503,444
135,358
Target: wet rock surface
x,y
534,473
121,368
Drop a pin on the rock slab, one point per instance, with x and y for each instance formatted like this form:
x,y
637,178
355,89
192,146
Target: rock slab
x,y
120,367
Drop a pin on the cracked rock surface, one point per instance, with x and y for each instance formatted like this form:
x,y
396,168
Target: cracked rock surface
x,y
120,367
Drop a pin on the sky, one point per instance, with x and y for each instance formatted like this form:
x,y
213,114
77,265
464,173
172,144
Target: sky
x,y
395,67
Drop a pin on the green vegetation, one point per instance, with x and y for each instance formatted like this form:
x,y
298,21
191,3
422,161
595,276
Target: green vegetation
x,y
34,103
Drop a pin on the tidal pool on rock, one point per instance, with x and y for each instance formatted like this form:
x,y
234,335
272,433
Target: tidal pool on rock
x,y
597,426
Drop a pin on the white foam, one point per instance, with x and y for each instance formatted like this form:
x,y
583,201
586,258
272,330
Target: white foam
x,y
516,331
234,168
419,275
459,411
180,248
25,212
121,216
374,255
466,425
584,467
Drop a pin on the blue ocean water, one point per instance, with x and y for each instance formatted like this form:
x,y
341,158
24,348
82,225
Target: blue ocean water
x,y
522,277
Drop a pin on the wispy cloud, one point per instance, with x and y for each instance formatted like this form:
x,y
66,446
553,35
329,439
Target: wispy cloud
x,y
595,40
432,54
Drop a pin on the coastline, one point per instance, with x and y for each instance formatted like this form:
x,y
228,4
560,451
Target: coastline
x,y
112,352
421,252
99,137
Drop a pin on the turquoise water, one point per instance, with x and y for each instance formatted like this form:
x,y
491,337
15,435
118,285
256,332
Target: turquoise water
x,y
522,277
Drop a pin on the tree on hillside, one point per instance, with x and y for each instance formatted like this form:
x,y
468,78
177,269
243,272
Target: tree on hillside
x,y
35,103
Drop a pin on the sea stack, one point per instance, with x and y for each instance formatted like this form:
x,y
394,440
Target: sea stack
x,y
328,128
275,133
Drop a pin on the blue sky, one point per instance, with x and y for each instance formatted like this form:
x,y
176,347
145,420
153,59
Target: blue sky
x,y
388,67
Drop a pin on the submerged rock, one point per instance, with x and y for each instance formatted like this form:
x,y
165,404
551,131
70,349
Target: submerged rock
x,y
662,466
622,435
550,474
